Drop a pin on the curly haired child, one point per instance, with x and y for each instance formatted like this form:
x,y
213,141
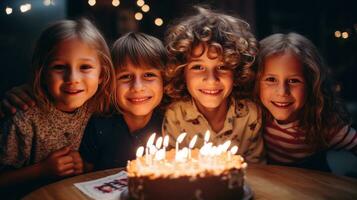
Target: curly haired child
x,y
209,79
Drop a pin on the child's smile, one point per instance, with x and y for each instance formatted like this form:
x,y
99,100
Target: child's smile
x,y
208,81
139,89
282,87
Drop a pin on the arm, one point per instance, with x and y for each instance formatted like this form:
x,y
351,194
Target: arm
x,y
345,138
88,149
255,151
58,164
20,97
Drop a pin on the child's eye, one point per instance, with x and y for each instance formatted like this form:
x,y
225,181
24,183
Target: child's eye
x,y
270,79
223,68
86,67
58,67
197,67
294,80
150,75
125,77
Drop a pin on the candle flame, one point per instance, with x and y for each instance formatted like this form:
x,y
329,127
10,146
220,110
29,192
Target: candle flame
x,y
226,145
158,143
166,141
181,137
140,151
193,142
151,140
234,150
207,135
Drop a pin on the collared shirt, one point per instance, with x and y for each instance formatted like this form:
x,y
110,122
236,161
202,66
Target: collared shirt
x,y
108,142
242,126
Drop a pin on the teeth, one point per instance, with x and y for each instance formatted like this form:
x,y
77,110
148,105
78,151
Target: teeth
x,y
281,104
210,91
139,99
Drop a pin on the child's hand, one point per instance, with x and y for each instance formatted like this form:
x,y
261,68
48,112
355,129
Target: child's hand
x,y
20,97
78,162
59,163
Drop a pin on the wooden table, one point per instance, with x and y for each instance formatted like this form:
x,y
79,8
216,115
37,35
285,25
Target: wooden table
x,y
266,181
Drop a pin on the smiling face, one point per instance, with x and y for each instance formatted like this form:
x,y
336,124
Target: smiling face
x,y
139,89
72,74
283,87
208,81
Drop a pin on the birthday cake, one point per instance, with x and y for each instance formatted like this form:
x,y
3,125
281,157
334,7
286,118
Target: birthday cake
x,y
206,173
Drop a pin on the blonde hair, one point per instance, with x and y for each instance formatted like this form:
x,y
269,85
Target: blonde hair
x,y
85,31
323,112
228,35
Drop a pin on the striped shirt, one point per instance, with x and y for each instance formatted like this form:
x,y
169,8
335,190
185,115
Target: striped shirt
x,y
286,144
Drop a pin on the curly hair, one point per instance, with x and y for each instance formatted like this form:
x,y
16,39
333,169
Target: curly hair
x,y
228,35
85,31
323,112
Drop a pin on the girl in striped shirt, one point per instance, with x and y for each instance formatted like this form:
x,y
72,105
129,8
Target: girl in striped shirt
x,y
303,117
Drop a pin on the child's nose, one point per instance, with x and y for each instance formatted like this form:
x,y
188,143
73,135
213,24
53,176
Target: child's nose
x,y
212,76
72,76
137,84
283,89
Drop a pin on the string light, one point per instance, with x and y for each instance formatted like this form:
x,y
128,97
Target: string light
x,y
140,3
91,2
47,2
25,7
158,21
138,16
8,10
338,34
345,35
145,8
115,3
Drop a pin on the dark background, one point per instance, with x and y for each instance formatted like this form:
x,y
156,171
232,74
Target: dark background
x,y
316,19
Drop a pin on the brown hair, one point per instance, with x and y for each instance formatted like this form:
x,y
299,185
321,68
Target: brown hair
x,y
323,112
85,31
228,35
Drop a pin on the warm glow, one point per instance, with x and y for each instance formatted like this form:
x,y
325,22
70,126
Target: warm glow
x,y
8,10
138,16
25,7
234,150
91,2
226,145
158,143
193,142
145,8
151,140
166,141
345,35
115,3
337,34
181,137
140,3
47,2
140,151
207,135
158,21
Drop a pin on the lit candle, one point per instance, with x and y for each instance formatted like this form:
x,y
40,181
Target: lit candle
x,y
166,144
149,143
191,145
140,152
207,135
179,140
158,143
233,151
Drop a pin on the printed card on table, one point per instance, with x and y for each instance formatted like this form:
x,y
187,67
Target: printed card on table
x,y
107,188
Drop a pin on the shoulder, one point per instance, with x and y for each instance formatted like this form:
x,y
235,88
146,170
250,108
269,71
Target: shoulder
x,y
247,107
178,109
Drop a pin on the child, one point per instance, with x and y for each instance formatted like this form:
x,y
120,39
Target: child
x,y
209,77
72,78
303,115
110,142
